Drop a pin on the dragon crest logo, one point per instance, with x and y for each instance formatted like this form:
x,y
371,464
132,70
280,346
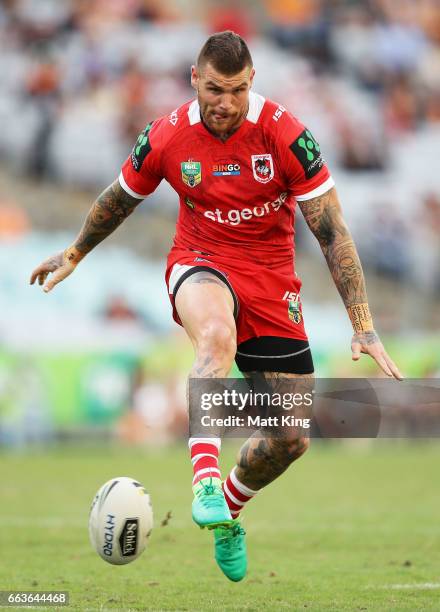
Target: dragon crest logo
x,y
262,167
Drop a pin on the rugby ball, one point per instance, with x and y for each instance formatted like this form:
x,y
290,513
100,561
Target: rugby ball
x,y
120,520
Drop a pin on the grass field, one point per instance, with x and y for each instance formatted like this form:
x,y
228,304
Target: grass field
x,y
347,528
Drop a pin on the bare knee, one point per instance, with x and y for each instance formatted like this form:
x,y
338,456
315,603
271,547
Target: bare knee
x,y
217,338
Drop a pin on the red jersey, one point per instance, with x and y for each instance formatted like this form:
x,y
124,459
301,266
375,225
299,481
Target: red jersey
x,y
238,197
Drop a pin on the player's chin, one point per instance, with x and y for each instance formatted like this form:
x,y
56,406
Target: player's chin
x,y
220,125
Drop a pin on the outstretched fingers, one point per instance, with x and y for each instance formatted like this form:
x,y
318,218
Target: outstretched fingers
x,y
55,265
378,353
384,361
39,273
393,368
59,275
380,360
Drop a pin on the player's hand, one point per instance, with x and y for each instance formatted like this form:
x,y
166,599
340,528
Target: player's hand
x,y
58,265
368,342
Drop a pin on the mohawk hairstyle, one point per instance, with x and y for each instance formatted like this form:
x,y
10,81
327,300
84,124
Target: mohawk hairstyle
x,y
227,52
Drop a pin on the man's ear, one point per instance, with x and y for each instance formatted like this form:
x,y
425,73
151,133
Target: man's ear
x,y
194,78
251,76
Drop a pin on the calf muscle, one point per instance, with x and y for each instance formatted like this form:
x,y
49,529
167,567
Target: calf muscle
x,y
267,454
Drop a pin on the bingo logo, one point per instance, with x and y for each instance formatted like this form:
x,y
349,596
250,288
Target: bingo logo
x,y
226,169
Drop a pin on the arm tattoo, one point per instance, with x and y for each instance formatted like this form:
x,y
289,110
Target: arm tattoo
x,y
324,217
111,208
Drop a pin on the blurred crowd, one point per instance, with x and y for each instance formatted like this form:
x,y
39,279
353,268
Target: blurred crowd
x,y
80,79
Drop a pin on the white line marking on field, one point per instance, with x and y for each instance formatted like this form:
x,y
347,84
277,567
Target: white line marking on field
x,y
422,585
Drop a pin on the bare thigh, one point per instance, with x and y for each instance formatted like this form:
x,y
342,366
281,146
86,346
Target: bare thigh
x,y
206,309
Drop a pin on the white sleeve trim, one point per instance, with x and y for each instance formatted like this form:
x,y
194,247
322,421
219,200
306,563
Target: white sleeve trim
x,y
126,188
256,104
194,112
328,184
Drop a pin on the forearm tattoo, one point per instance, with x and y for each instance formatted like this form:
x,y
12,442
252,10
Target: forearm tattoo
x,y
111,208
323,216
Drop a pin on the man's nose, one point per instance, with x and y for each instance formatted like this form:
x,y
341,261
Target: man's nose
x,y
226,102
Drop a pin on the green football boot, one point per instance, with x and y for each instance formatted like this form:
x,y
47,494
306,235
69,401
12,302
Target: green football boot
x,y
209,507
230,550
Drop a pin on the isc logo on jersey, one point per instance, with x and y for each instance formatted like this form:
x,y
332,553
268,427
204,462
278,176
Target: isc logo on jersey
x,y
278,113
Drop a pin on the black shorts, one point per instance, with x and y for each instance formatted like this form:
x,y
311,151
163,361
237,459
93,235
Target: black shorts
x,y
274,354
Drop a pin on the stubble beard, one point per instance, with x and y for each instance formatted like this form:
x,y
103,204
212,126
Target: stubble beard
x,y
229,130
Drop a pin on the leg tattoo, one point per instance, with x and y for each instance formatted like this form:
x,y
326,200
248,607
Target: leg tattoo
x,y
266,455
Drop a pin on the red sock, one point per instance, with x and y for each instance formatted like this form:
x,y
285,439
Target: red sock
x,y
236,494
204,457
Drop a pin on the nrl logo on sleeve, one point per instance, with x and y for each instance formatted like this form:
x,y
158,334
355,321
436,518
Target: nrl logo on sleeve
x,y
308,153
262,167
191,173
141,148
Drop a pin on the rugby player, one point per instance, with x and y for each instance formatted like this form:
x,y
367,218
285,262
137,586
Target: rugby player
x,y
239,163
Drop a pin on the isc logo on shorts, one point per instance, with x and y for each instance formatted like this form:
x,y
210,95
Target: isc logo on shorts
x,y
291,295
